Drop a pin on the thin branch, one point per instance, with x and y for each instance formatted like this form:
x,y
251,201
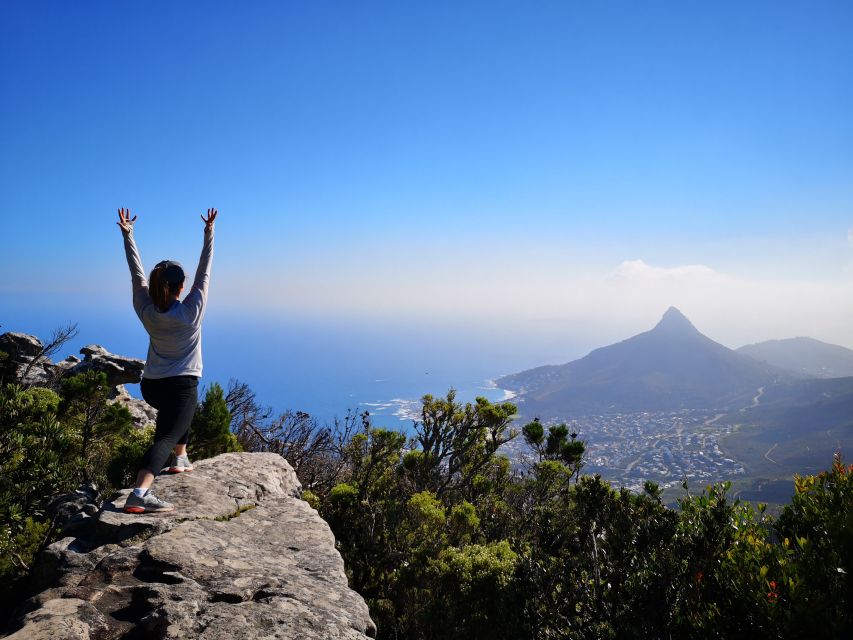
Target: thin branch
x,y
57,340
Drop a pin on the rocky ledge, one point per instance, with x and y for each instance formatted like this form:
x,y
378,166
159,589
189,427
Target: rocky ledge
x,y
26,356
241,557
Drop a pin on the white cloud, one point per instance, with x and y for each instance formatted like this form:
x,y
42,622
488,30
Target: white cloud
x,y
639,271
541,296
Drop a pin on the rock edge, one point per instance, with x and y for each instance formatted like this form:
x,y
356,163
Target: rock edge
x,y
241,557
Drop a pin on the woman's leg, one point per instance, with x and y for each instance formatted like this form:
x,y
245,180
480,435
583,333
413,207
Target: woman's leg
x,y
175,400
144,479
181,459
181,447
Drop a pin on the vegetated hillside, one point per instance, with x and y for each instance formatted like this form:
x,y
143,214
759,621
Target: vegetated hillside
x,y
672,366
805,356
794,428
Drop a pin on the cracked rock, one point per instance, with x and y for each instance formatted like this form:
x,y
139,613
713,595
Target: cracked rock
x,y
241,557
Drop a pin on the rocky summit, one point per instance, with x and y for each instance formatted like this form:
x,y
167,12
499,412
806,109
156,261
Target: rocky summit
x,y
242,557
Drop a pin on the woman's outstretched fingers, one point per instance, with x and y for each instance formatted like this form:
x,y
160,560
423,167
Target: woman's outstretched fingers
x,y
211,216
125,221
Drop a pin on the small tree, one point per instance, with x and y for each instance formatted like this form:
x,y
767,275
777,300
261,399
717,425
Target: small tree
x,y
455,443
211,426
558,444
99,424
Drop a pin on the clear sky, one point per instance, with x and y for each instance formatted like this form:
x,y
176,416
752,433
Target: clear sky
x,y
531,169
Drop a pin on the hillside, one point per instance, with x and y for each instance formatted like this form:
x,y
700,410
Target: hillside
x,y
804,356
794,428
672,366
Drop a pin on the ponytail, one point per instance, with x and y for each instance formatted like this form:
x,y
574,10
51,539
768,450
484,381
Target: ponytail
x,y
158,288
166,279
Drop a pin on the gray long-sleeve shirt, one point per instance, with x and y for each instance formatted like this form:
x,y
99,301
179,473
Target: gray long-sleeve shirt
x,y
174,348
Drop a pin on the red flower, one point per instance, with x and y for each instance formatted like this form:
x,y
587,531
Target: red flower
x,y
699,576
772,595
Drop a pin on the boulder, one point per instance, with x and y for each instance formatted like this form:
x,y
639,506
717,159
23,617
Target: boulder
x,y
35,372
70,512
25,360
69,363
119,369
141,412
241,557
20,344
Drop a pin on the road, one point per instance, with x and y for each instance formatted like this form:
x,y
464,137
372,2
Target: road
x,y
767,454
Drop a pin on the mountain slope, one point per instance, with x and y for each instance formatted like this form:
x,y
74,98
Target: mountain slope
x,y
803,356
795,428
672,366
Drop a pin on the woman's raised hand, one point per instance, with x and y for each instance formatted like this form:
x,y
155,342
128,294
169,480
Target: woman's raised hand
x,y
125,221
211,216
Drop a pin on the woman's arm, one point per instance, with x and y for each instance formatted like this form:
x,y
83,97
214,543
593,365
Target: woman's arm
x,y
141,298
196,300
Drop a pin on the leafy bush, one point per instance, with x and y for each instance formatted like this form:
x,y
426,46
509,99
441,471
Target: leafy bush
x,y
39,457
126,457
816,531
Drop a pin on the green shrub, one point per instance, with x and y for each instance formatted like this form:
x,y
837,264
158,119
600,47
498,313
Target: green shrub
x,y
210,433
126,457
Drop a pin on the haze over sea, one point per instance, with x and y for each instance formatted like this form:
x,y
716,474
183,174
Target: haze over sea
x,y
323,367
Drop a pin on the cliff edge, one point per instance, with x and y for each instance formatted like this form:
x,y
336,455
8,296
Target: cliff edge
x,y
241,557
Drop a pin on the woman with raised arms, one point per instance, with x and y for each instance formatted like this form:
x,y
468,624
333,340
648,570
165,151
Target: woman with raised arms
x,y
173,366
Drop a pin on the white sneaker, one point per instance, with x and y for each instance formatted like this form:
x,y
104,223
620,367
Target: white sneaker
x,y
182,464
149,503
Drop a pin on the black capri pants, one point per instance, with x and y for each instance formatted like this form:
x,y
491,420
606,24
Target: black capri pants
x,y
175,399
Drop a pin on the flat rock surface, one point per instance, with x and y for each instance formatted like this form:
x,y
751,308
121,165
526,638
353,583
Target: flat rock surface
x,y
241,557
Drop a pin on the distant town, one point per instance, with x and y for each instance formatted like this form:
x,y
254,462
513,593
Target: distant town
x,y
665,447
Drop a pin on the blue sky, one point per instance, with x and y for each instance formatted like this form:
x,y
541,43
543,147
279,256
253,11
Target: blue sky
x,y
532,169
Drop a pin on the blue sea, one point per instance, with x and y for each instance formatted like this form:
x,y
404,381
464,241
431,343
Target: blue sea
x,y
323,366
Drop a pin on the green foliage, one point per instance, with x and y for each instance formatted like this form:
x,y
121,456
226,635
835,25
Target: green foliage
x,y
463,523
211,426
126,457
366,511
816,530
311,498
98,426
724,581
473,594
19,543
39,458
534,434
456,443
559,444
444,541
49,444
399,513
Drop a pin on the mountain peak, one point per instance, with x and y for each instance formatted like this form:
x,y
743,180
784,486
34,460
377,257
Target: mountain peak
x,y
674,320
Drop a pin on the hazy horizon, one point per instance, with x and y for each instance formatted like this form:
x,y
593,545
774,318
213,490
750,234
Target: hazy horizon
x,y
328,367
